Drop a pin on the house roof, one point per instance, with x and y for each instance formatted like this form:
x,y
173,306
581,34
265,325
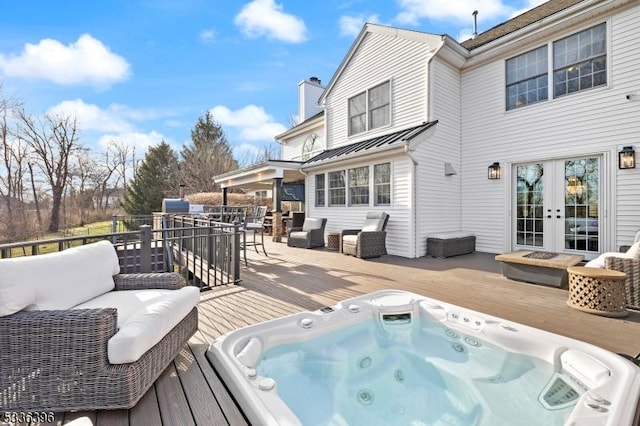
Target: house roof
x,y
300,126
370,145
534,15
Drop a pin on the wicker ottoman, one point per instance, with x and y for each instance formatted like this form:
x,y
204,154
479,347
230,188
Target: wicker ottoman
x,y
447,244
597,291
333,241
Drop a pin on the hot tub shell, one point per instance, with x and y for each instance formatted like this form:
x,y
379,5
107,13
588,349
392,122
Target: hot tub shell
x,y
609,384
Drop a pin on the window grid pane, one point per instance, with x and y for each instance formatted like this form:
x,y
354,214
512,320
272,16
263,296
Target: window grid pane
x,y
382,184
357,114
337,188
579,61
359,186
320,201
527,80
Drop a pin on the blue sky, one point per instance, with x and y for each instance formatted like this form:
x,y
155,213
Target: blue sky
x,y
140,71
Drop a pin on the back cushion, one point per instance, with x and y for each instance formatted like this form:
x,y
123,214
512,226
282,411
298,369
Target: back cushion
x,y
634,251
374,222
311,223
63,279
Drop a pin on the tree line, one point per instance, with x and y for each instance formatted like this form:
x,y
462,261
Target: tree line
x,y
49,178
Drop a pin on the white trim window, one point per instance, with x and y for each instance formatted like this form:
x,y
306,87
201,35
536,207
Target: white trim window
x,y
382,184
580,61
337,188
359,186
527,78
320,185
370,109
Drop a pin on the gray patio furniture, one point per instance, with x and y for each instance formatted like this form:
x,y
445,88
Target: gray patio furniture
x,y
254,224
59,359
370,240
310,235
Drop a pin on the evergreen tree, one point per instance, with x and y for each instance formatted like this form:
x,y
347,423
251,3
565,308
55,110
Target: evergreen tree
x,y
155,179
208,155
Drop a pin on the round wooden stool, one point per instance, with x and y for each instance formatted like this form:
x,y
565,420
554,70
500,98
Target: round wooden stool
x,y
597,291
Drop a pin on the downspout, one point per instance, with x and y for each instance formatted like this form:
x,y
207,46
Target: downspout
x,y
414,193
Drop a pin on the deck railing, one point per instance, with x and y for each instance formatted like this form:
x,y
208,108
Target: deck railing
x,y
206,252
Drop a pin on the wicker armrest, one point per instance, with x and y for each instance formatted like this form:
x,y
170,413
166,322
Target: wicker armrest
x,y
74,339
631,267
152,280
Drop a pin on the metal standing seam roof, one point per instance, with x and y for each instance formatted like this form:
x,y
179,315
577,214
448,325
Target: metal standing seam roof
x,y
373,143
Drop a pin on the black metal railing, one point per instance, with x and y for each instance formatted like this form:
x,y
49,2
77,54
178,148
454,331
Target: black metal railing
x,y
206,252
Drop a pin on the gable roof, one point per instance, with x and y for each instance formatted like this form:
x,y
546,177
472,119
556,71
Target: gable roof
x,y
420,36
373,144
534,15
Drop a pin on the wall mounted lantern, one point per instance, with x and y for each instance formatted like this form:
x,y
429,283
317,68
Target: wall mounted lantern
x,y
627,158
494,171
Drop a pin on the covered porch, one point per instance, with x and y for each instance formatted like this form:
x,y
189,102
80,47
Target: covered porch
x,y
291,280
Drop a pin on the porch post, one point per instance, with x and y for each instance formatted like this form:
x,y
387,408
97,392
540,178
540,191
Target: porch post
x,y
224,196
276,225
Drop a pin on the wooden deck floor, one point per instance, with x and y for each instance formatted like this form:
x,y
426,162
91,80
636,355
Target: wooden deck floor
x,y
291,280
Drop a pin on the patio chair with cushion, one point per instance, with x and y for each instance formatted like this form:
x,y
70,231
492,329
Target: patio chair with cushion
x,y
310,235
368,242
627,261
75,334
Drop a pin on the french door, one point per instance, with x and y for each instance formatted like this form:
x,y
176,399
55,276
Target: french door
x,y
558,205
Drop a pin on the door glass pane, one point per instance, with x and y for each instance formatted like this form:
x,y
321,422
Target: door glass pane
x,y
529,208
581,198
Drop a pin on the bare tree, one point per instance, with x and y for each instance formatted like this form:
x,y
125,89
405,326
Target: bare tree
x,y
53,139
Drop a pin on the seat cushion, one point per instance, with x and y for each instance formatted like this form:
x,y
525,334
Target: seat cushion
x,y
350,239
299,235
144,318
58,280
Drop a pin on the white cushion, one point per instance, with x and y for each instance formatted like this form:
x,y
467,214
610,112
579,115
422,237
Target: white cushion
x,y
598,262
350,239
299,235
634,251
59,280
311,223
374,222
144,318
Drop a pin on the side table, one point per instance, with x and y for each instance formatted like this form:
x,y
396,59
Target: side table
x,y
333,241
597,291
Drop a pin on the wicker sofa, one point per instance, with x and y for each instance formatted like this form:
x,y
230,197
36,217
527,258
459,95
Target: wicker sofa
x,y
310,235
370,240
75,334
627,261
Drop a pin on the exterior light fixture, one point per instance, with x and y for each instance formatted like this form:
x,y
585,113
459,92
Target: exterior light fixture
x,y
627,158
494,171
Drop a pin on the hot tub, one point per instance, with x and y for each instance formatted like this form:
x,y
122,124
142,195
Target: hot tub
x,y
394,357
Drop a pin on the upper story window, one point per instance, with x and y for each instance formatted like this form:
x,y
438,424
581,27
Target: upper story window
x,y
320,202
527,78
359,186
580,61
370,109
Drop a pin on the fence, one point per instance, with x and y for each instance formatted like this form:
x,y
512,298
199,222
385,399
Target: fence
x,y
206,252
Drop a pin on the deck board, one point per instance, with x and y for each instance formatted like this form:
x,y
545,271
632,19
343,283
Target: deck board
x,y
291,280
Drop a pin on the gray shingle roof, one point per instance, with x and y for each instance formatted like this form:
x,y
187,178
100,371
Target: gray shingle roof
x,y
536,14
370,144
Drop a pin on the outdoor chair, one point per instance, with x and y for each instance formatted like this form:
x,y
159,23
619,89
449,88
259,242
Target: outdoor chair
x,y
310,235
254,223
295,221
75,334
368,242
627,261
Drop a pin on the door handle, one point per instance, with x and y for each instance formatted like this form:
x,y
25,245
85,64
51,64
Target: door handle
x,y
548,216
559,217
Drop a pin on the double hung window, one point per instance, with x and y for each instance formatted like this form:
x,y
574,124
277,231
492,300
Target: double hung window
x,y
370,109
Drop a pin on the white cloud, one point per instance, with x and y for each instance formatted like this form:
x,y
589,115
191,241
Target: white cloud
x,y
413,11
207,36
137,140
252,122
266,18
351,25
85,62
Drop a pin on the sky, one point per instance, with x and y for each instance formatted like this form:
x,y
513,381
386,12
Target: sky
x,y
142,71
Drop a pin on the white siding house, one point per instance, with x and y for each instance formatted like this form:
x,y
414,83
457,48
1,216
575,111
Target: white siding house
x,y
412,121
